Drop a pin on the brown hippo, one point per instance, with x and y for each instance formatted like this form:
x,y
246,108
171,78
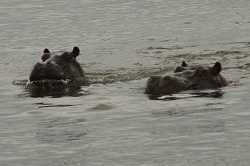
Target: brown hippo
x,y
187,78
57,67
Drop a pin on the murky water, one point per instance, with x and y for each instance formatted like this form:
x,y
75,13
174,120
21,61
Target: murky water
x,y
122,43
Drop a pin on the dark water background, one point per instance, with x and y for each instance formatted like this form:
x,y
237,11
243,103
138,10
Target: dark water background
x,y
122,43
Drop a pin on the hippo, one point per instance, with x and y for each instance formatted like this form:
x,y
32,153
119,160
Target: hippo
x,y
187,78
57,67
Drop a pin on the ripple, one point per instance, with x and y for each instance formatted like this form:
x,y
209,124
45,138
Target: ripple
x,y
102,107
59,130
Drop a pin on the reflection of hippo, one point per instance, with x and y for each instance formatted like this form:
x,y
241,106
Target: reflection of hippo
x,y
58,67
186,78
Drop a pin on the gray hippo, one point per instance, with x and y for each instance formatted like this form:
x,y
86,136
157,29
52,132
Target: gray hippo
x,y
187,78
57,67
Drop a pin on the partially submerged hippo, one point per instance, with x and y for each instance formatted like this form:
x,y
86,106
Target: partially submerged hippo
x,y
187,78
57,67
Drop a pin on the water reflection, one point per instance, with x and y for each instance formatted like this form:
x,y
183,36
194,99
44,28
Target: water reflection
x,y
213,94
46,105
53,93
183,112
52,88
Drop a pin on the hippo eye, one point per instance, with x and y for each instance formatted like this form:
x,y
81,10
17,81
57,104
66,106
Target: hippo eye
x,y
67,59
203,73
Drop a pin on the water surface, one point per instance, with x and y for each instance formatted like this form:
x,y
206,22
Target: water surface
x,y
122,43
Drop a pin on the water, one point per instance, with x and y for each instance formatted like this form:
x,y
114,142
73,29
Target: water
x,y
122,43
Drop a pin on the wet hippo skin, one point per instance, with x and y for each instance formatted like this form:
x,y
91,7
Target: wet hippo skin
x,y
166,85
57,67
187,78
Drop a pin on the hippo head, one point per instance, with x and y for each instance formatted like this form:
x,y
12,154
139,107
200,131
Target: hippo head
x,y
57,67
205,77
187,78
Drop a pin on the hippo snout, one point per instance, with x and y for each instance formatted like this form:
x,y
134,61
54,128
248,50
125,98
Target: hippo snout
x,y
172,84
165,85
46,70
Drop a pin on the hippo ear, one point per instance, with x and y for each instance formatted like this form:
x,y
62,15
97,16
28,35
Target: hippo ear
x,y
46,54
216,68
46,50
184,64
75,52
